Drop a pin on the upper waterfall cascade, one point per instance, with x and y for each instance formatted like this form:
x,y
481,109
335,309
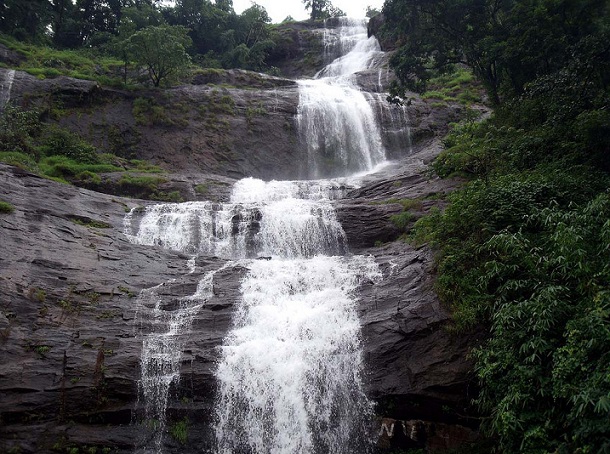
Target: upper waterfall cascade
x,y
290,369
336,121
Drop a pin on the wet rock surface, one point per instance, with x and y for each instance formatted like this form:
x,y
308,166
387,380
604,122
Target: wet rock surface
x,y
218,125
70,322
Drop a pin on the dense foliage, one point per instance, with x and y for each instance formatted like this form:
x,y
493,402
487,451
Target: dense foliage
x,y
57,153
524,246
161,50
217,37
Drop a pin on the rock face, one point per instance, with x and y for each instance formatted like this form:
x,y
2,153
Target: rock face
x,y
416,368
300,50
218,124
69,284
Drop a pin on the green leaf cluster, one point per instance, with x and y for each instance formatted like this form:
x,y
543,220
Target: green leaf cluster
x,y
6,208
162,50
526,258
507,43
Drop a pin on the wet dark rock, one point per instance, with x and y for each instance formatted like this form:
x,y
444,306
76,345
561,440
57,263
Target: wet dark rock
x,y
68,322
10,57
374,28
299,49
240,78
70,329
213,133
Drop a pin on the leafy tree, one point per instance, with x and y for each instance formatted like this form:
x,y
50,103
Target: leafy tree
x,y
523,248
205,21
507,43
524,257
372,11
161,49
322,9
252,24
26,20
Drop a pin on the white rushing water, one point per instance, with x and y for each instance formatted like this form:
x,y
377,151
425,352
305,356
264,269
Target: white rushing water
x,y
278,218
335,120
290,369
290,374
5,88
162,345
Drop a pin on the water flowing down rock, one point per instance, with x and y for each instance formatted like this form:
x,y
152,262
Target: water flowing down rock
x,y
290,375
5,88
336,122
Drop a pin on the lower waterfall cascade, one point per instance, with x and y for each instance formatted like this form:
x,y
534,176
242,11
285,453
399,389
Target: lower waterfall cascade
x,y
290,370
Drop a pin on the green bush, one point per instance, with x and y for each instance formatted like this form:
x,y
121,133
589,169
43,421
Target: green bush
x,y
402,220
146,182
18,159
18,130
527,255
179,431
6,208
547,364
66,168
47,62
147,112
58,141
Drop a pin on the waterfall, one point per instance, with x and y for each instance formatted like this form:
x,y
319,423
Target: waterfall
x,y
290,373
162,344
278,218
396,120
5,88
290,369
334,118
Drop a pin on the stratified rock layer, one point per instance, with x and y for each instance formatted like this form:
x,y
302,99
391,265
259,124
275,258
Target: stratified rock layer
x,y
229,123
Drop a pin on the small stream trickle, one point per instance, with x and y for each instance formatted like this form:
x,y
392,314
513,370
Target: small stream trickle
x,y
5,88
163,329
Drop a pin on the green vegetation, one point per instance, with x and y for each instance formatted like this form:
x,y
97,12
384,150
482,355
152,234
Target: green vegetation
x,y
40,349
523,249
322,9
27,142
402,220
202,188
37,294
47,62
161,50
121,43
91,223
56,153
147,112
6,208
458,85
179,431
